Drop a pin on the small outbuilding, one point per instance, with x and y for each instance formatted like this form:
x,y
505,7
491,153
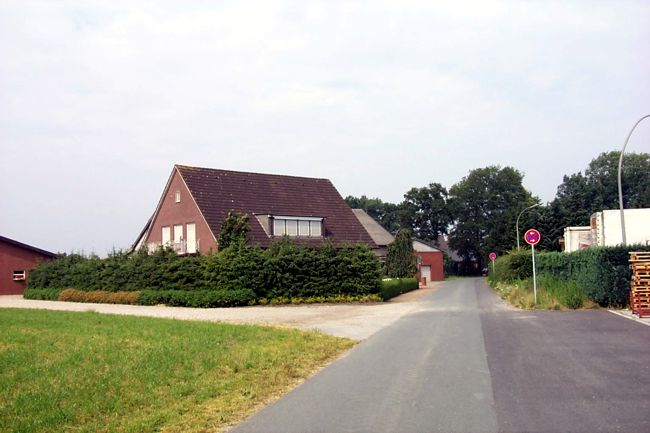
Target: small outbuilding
x,y
16,260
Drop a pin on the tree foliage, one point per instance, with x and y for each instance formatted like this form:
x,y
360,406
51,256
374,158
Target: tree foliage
x,y
233,230
484,206
400,260
424,211
386,214
579,196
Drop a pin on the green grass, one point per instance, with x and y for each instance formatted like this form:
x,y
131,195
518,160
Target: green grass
x,y
552,294
87,372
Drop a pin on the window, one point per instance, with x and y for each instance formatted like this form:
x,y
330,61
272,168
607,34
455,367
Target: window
x,y
315,228
303,228
178,196
297,226
178,234
190,228
292,227
19,275
166,235
279,227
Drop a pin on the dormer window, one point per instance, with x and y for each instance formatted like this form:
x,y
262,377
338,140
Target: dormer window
x,y
178,196
297,226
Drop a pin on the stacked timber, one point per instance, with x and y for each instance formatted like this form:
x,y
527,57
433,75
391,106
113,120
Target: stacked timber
x,y
640,284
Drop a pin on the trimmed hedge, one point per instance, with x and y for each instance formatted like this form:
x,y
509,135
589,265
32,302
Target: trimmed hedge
x,y
198,298
602,273
99,297
237,275
42,294
394,287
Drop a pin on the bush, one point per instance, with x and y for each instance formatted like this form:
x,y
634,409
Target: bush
x,y
99,297
285,270
198,298
393,287
42,294
601,274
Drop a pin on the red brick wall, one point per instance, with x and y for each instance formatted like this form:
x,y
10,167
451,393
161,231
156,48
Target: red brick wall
x,y
14,258
172,213
436,261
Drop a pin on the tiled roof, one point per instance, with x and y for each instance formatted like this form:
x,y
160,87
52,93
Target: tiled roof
x,y
380,235
218,192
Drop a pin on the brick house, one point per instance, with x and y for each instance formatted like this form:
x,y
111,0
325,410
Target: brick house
x,y
430,258
16,260
196,201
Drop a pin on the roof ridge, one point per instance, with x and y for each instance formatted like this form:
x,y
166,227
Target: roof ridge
x,y
26,246
192,167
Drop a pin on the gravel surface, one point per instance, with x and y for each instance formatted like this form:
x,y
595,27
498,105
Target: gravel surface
x,y
356,321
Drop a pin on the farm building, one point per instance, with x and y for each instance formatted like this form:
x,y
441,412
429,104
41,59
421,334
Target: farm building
x,y
16,260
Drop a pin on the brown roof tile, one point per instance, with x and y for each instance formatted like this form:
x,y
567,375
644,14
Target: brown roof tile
x,y
217,192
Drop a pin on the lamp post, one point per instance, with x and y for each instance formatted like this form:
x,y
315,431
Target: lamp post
x,y
519,216
620,187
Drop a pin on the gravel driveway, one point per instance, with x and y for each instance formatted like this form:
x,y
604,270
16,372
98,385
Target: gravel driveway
x,y
356,321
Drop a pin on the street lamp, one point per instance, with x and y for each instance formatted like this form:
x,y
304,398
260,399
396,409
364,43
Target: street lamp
x,y
517,223
620,187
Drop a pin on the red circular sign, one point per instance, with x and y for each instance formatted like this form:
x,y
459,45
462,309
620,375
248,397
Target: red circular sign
x,y
532,237
493,256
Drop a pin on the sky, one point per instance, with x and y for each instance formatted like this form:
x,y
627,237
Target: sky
x,y
99,99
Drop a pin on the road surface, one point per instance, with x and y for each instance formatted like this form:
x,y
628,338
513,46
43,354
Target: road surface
x,y
465,362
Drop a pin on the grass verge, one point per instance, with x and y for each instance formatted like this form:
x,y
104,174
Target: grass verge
x,y
91,372
552,294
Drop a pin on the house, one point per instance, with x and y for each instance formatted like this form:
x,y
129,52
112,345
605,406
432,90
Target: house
x,y
430,259
16,260
196,201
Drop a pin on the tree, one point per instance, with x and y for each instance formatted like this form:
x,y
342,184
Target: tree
x,y
400,259
579,196
424,210
386,214
233,230
484,206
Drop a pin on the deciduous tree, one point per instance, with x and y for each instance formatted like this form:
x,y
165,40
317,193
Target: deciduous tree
x,y
484,206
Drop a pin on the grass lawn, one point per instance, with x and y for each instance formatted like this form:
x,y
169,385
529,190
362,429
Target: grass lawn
x,y
89,372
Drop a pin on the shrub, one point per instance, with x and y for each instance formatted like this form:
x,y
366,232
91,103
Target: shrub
x,y
601,274
283,270
42,294
400,260
393,287
99,296
198,298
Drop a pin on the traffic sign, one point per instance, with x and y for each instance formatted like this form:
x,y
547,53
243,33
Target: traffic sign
x,y
493,256
532,237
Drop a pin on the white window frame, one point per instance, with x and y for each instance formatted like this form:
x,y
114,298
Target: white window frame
x,y
190,230
19,275
166,238
315,227
178,197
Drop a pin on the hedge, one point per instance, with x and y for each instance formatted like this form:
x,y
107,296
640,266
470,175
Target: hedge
x,y
42,294
99,297
602,273
394,287
237,275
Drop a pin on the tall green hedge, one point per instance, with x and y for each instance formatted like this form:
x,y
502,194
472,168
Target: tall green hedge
x,y
283,270
601,272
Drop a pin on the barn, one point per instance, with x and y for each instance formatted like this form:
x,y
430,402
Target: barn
x,y
16,260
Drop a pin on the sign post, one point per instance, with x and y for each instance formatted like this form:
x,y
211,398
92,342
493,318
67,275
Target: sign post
x,y
532,238
493,257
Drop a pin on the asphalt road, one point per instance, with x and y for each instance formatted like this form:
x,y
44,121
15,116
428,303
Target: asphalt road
x,y
465,362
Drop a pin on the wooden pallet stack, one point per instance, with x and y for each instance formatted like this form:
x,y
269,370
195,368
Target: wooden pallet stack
x,y
640,284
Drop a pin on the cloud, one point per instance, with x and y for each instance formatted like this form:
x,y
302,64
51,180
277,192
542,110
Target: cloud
x,y
99,99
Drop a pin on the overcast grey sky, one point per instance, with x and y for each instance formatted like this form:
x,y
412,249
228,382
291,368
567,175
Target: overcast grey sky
x,y
98,99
